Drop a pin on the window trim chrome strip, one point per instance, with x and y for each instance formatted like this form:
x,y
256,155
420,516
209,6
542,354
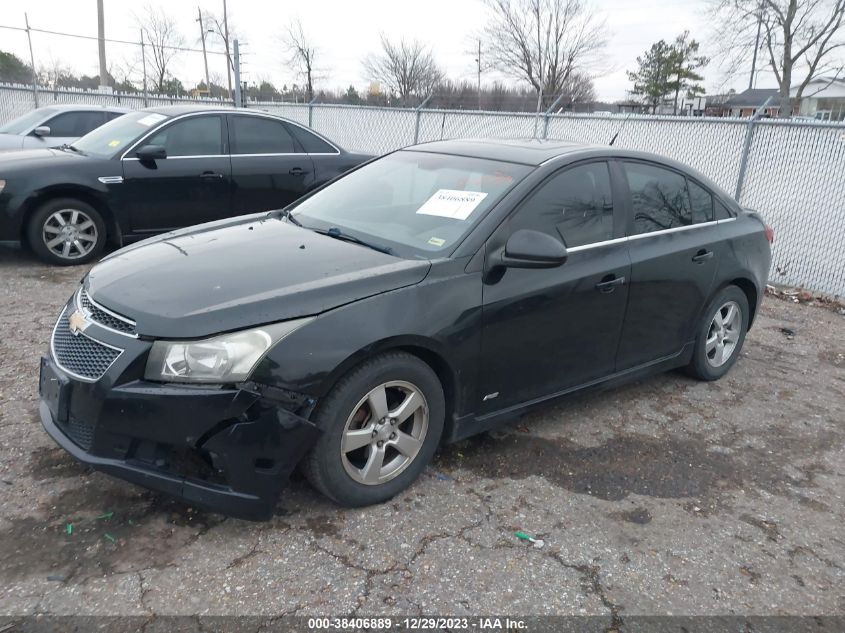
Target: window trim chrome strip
x,y
77,301
628,238
65,369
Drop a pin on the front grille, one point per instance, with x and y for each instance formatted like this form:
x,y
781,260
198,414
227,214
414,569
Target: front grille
x,y
82,433
80,355
103,317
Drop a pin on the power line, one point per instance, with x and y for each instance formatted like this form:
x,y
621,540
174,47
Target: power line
x,y
113,41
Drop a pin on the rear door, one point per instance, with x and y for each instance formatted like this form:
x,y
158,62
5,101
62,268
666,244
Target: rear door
x,y
192,185
547,330
675,249
269,168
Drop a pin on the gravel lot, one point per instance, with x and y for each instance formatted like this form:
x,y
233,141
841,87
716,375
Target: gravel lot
x,y
666,496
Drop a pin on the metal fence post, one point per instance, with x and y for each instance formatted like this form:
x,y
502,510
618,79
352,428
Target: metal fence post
x,y
311,112
746,148
548,113
32,61
418,113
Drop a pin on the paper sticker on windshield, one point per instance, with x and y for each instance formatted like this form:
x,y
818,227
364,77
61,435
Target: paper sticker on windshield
x,y
452,203
151,119
436,241
114,143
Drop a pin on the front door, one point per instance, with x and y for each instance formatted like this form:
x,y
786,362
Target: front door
x,y
548,330
192,185
675,247
269,170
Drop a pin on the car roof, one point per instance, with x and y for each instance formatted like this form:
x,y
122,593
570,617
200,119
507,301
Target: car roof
x,y
83,107
178,110
525,151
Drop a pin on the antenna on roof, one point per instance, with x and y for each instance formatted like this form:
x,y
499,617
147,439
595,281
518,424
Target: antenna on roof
x,y
621,127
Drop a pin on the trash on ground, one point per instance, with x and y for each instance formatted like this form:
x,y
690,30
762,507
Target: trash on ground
x,y
536,542
56,578
788,332
107,515
109,537
69,528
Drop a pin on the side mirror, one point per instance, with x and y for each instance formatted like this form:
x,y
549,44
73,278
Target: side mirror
x,y
532,249
151,153
42,130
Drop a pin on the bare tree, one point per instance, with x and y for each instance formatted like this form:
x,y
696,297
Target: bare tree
x,y
406,69
801,40
162,39
302,53
543,42
228,34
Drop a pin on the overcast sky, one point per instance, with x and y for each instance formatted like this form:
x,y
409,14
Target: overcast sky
x,y
344,31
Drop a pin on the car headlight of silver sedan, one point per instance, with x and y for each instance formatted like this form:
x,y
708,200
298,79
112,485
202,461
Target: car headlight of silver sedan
x,y
221,359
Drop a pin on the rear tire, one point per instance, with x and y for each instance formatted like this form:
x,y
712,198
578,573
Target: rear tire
x,y
381,425
720,335
67,232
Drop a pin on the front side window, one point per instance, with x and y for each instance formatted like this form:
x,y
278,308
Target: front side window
x,y
575,205
194,136
74,124
419,204
659,198
257,135
702,203
26,121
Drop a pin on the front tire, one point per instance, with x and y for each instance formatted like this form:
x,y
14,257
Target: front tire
x,y
66,231
720,335
381,425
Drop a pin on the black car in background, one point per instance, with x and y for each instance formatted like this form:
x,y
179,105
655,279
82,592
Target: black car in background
x,y
421,298
155,170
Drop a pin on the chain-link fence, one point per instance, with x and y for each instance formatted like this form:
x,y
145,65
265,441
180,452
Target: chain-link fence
x,y
793,173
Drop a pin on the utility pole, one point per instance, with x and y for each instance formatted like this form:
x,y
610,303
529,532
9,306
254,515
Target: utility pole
x,y
238,94
32,61
756,47
101,44
226,42
478,61
204,54
144,68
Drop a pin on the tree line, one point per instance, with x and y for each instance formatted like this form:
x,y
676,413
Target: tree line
x,y
544,52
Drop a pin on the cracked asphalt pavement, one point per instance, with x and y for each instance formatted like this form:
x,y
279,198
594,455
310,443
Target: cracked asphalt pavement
x,y
666,496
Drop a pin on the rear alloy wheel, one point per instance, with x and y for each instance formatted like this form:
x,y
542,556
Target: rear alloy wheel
x,y
720,335
66,232
381,425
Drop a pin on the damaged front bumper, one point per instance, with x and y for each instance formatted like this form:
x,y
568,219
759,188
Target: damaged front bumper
x,y
227,449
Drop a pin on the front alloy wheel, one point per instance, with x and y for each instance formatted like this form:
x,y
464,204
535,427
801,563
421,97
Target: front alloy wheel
x,y
384,433
381,424
69,234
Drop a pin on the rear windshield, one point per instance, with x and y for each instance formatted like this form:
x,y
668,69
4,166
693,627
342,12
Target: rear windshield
x,y
419,204
119,134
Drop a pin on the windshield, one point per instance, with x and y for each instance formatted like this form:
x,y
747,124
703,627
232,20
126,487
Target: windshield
x,y
115,136
23,123
418,204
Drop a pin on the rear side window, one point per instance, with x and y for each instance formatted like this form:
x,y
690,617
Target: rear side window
x,y
113,115
659,198
575,205
722,212
194,136
702,203
257,135
312,143
74,124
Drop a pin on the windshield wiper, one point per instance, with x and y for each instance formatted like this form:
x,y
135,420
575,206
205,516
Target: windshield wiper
x,y
337,234
287,215
68,146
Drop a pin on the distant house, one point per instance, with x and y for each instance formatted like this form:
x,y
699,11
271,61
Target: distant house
x,y
823,99
747,102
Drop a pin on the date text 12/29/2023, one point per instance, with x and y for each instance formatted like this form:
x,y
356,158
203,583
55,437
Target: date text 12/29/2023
x,y
417,624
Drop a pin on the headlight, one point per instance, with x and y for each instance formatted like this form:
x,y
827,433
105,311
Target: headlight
x,y
221,359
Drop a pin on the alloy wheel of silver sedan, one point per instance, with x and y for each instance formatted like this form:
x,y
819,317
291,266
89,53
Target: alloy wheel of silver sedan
x,y
723,334
384,433
69,233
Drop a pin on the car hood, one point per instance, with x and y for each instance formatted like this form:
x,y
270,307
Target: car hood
x,y
28,158
10,141
237,274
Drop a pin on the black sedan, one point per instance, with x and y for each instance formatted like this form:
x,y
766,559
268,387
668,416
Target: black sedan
x,y
156,170
424,297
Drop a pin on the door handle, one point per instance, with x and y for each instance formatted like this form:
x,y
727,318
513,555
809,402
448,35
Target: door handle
x,y
609,283
210,174
297,171
702,256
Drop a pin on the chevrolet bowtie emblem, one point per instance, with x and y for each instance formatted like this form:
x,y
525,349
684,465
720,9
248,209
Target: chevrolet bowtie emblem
x,y
77,322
